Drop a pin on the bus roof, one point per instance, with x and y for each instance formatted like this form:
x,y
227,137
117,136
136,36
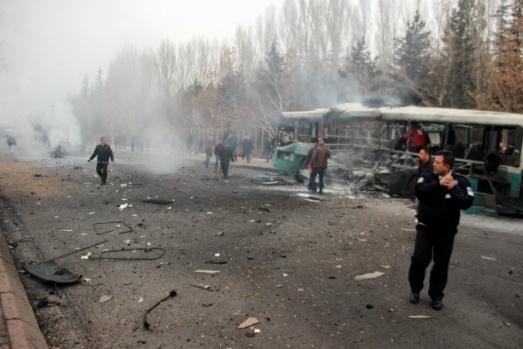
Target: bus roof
x,y
425,114
466,116
355,110
316,113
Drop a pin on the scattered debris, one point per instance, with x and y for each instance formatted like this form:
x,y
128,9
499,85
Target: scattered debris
x,y
157,201
369,276
114,224
207,271
266,209
487,258
203,287
419,317
49,271
132,251
104,298
122,207
248,323
506,323
146,324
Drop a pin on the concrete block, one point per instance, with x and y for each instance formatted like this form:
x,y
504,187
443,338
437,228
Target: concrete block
x,y
18,308
23,336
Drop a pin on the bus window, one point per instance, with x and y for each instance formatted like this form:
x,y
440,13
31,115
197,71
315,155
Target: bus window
x,y
307,131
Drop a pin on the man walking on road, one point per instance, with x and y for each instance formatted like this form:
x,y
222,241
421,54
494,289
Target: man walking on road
x,y
441,194
319,164
104,152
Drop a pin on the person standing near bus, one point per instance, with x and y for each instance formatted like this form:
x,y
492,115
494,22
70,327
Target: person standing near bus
x,y
233,144
104,153
247,147
441,194
312,185
226,156
417,138
319,164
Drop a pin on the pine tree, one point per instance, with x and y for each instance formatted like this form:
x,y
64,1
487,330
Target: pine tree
x,y
412,61
461,54
361,70
504,90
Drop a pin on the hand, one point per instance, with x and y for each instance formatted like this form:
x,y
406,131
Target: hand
x,y
88,160
447,181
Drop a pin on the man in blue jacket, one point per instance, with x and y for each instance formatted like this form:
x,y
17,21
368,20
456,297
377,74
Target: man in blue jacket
x,y
104,152
441,194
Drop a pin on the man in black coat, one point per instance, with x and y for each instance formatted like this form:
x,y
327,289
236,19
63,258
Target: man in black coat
x,y
442,194
104,152
226,156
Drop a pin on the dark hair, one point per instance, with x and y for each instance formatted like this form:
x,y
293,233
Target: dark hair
x,y
101,139
448,158
426,150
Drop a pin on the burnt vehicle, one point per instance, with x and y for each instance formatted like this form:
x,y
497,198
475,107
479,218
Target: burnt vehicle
x,y
370,149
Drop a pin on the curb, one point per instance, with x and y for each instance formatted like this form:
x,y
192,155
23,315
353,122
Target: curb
x,y
17,318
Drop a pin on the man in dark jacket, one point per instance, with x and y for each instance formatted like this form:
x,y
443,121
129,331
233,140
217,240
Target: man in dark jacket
x,y
226,156
441,194
319,164
311,186
104,152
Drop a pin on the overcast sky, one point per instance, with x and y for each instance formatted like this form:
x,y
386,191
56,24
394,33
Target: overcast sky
x,y
48,46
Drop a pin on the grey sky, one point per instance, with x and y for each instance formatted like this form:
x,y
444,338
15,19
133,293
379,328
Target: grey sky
x,y
48,46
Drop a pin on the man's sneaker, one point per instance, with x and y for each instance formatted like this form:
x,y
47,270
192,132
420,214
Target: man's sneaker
x,y
437,305
414,298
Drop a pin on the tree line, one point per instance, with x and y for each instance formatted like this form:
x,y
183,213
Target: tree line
x,y
310,54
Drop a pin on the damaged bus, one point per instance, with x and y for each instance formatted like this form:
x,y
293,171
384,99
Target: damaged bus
x,y
368,150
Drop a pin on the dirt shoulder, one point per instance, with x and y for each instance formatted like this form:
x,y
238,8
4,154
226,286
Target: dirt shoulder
x,y
288,261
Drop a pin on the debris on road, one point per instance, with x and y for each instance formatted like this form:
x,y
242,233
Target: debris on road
x,y
421,317
157,201
369,276
146,324
207,271
49,271
248,323
203,287
487,258
104,298
116,254
114,224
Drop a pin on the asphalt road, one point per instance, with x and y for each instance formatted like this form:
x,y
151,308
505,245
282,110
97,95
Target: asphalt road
x,y
282,258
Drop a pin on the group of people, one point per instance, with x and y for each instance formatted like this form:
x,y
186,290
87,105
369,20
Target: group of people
x,y
441,194
225,152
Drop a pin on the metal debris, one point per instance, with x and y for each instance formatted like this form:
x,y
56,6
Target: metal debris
x,y
207,271
132,251
157,201
114,224
203,287
145,323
